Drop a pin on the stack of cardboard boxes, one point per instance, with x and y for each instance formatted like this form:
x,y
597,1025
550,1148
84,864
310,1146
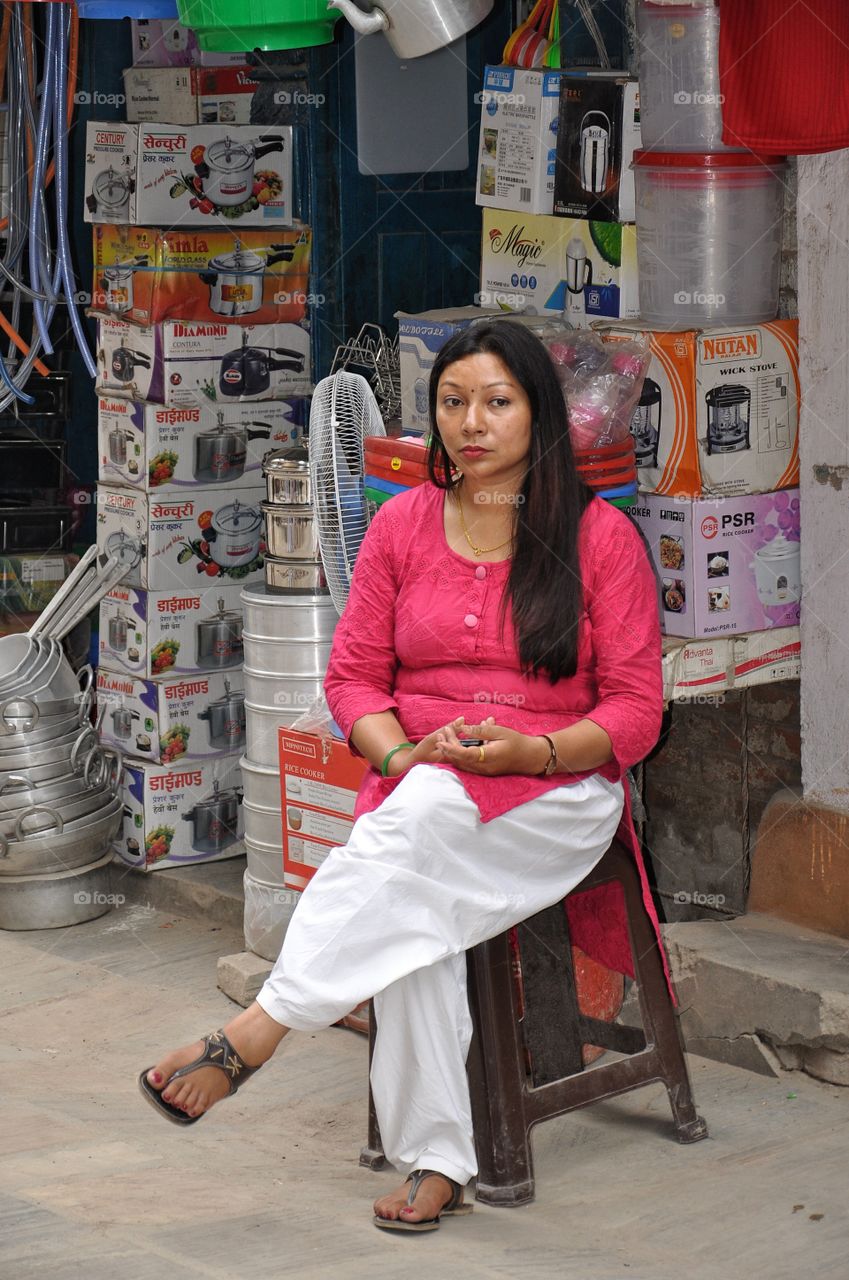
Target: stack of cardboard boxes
x,y
200,285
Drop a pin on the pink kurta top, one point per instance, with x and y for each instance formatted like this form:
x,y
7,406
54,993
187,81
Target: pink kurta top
x,y
421,636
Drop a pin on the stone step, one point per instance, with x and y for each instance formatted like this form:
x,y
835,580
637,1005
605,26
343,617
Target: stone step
x,y
211,891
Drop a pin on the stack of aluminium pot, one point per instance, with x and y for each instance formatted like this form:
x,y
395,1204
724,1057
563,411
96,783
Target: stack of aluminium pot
x,y
293,561
287,639
59,802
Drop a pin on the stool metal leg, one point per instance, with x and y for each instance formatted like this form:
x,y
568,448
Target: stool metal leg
x,y
497,1081
371,1155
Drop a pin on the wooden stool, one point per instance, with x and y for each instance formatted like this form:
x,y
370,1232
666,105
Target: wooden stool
x,y
506,1104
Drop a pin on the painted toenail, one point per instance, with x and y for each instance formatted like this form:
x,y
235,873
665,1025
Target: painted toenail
x,y
156,1077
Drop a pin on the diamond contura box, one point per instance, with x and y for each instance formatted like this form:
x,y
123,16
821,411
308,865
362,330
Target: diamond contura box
x,y
192,717
158,633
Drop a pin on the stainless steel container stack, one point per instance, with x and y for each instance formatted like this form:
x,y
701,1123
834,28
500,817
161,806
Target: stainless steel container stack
x,y
287,639
293,562
59,803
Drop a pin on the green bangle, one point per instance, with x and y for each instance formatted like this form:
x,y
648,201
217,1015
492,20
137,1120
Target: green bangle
x,y
391,753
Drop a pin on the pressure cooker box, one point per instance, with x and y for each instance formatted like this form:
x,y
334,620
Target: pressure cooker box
x,y
598,131
145,275
319,781
196,175
189,95
157,633
156,447
719,410
181,815
168,541
193,717
163,43
518,139
542,264
109,183
724,565
183,362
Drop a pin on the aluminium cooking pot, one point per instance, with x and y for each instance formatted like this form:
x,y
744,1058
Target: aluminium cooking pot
x,y
413,30
234,535
110,193
123,363
221,452
246,371
215,820
226,719
291,532
287,476
219,639
227,169
236,279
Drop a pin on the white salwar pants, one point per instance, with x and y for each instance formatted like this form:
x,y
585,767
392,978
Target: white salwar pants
x,y
391,914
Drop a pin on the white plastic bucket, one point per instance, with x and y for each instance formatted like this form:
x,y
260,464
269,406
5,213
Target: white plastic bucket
x,y
708,237
680,99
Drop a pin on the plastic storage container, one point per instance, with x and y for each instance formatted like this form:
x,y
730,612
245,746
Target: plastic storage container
x,y
678,51
230,25
708,237
268,910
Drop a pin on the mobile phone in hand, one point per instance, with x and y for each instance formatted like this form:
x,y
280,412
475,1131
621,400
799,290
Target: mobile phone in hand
x,y
472,742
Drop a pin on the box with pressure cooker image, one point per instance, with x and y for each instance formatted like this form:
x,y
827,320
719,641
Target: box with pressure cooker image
x,y
194,716
180,815
184,362
189,539
156,447
156,633
111,156
724,566
146,274
719,409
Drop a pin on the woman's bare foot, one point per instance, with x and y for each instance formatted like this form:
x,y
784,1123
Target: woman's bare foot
x,y
254,1036
431,1198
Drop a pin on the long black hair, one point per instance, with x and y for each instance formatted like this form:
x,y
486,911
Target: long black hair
x,y
544,585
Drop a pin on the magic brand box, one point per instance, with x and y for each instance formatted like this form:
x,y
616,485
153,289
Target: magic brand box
x,y
719,409
319,781
724,565
180,815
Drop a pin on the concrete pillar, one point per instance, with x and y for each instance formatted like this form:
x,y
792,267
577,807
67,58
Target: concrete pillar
x,y
823,284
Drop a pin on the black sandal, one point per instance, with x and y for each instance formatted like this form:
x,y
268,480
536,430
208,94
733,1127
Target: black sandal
x,y
453,1209
217,1052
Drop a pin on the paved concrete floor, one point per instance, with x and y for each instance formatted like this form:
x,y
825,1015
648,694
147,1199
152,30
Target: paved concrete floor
x,y
93,1186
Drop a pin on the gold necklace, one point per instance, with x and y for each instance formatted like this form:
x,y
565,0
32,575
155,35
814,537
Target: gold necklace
x,y
479,551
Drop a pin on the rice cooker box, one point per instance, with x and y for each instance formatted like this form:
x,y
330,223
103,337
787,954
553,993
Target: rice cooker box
x,y
189,95
180,815
518,139
184,362
225,95
598,131
196,175
581,269
109,181
158,633
420,337
724,565
193,717
169,540
319,782
157,447
719,410
162,43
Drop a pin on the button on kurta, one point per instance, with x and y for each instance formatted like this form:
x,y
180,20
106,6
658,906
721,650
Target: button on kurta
x,y
480,572
471,620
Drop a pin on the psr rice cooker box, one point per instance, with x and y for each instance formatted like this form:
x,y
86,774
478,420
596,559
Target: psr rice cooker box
x,y
158,633
175,540
182,814
723,565
194,716
165,448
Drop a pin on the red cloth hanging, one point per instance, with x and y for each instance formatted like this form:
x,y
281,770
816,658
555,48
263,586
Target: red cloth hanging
x,y
784,74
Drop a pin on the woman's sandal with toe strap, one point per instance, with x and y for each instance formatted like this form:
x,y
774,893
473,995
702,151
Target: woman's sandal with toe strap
x,y
453,1209
217,1052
